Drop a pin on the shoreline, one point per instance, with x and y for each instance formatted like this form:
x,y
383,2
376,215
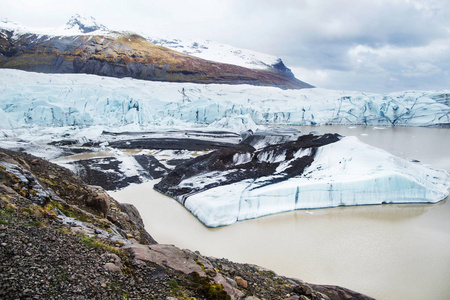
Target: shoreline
x,y
57,234
343,245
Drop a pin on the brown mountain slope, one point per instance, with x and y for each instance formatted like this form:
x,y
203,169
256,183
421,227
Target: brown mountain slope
x,y
128,55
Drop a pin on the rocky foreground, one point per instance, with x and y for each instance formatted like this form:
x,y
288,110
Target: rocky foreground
x,y
63,239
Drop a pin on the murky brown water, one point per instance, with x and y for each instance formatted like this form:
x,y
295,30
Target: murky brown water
x,y
385,251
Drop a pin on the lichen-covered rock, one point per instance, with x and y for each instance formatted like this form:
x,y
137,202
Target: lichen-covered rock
x,y
184,261
44,183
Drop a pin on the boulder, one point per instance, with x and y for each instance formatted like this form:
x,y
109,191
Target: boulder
x,y
111,267
181,260
170,256
241,282
99,201
303,289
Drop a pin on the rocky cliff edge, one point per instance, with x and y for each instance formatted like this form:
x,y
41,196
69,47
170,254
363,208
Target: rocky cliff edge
x,y
63,239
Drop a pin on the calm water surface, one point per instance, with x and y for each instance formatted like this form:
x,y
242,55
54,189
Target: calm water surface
x,y
384,251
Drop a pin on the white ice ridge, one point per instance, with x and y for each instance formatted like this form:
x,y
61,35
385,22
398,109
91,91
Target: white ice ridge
x,y
30,99
344,173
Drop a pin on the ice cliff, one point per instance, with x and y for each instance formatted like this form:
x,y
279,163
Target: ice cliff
x,y
35,99
266,176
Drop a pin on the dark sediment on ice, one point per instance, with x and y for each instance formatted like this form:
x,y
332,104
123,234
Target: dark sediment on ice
x,y
242,162
108,173
170,143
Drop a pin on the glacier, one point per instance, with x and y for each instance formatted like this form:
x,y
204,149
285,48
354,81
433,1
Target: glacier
x,y
254,171
30,99
330,171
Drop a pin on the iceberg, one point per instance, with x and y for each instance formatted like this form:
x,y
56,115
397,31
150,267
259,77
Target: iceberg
x,y
227,186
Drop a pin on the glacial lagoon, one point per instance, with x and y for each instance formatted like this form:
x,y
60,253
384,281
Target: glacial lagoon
x,y
395,251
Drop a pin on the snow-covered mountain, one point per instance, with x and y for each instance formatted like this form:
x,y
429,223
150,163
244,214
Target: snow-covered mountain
x,y
210,50
77,25
33,99
205,49
84,25
85,46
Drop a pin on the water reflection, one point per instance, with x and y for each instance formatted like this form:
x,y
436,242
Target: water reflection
x,y
427,145
385,212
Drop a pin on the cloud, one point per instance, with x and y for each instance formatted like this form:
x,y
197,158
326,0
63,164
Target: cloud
x,y
388,68
377,46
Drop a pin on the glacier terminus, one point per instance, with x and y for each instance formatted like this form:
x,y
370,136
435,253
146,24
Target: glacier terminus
x,y
30,99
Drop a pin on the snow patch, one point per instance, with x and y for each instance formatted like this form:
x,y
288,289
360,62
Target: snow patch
x,y
242,158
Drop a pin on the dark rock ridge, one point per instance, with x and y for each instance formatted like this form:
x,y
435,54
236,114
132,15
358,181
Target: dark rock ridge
x,y
190,144
243,162
127,55
56,244
106,172
281,67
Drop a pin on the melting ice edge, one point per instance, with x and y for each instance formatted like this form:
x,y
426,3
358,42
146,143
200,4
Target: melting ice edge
x,y
269,173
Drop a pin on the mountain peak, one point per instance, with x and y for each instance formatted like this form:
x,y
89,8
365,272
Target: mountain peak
x,y
7,23
84,24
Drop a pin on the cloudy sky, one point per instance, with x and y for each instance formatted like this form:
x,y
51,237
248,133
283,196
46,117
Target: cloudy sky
x,y
365,45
